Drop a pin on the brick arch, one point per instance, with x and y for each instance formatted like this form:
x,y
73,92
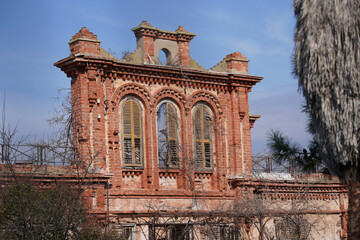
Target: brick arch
x,y
132,89
172,94
208,98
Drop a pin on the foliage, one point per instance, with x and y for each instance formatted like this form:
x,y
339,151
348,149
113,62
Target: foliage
x,y
29,212
284,150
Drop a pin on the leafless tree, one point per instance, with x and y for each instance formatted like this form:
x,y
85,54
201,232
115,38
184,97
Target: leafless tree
x,y
34,203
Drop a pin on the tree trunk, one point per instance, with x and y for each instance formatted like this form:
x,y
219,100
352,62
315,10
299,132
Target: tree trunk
x,y
354,210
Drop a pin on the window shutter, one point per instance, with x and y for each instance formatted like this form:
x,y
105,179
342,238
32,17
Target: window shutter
x,y
207,154
127,151
136,118
202,138
127,118
198,120
131,120
199,155
206,124
172,135
171,120
137,152
173,153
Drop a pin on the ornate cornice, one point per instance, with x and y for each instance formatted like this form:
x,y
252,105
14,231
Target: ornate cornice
x,y
145,29
290,190
253,119
113,69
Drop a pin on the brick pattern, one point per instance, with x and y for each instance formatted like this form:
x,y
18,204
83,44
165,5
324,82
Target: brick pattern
x,y
84,42
148,47
100,85
184,53
147,34
236,61
98,90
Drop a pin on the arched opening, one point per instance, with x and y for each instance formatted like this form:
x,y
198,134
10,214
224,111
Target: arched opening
x,y
202,127
167,127
164,56
131,125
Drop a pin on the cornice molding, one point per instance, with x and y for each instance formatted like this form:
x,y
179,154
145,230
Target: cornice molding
x,y
112,69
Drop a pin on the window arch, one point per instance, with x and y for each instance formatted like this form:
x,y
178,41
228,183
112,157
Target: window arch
x,y
164,56
132,144
202,126
167,136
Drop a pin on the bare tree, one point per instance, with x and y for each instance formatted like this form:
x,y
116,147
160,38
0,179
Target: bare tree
x,y
35,201
327,59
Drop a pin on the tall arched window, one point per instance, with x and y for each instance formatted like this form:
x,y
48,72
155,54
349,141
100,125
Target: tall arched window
x,y
167,136
131,133
202,138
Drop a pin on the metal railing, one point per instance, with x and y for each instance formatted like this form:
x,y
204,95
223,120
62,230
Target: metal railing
x,y
267,164
36,154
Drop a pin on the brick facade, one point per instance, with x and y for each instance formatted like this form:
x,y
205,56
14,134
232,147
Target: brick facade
x,y
101,84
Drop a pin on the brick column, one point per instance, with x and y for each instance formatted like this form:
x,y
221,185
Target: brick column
x,y
184,53
237,63
84,42
148,47
246,126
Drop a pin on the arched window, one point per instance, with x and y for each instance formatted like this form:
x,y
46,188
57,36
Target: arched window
x,y
131,133
167,136
202,138
165,57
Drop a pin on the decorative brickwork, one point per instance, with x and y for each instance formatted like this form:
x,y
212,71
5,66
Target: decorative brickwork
x,y
84,42
112,138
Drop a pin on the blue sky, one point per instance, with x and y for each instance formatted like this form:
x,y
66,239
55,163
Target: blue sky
x,y
34,35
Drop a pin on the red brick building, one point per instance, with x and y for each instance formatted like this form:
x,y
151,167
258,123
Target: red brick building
x,y
173,139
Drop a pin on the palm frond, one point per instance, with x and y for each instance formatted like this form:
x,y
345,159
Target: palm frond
x,y
281,147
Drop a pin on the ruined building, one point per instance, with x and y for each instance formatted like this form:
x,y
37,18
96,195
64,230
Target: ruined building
x,y
172,142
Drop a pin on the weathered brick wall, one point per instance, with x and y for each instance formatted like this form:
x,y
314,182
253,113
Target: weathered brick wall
x,y
99,85
98,90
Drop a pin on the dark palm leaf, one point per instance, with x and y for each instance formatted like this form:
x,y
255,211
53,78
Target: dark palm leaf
x,y
281,147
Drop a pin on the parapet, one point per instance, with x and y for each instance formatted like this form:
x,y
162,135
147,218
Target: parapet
x,y
150,41
85,42
234,63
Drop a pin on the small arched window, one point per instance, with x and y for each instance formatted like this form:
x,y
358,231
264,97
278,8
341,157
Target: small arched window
x,y
167,136
202,125
165,57
131,133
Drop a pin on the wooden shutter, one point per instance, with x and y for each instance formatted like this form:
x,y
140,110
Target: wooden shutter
x,y
127,139
171,119
136,133
131,124
207,138
202,138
